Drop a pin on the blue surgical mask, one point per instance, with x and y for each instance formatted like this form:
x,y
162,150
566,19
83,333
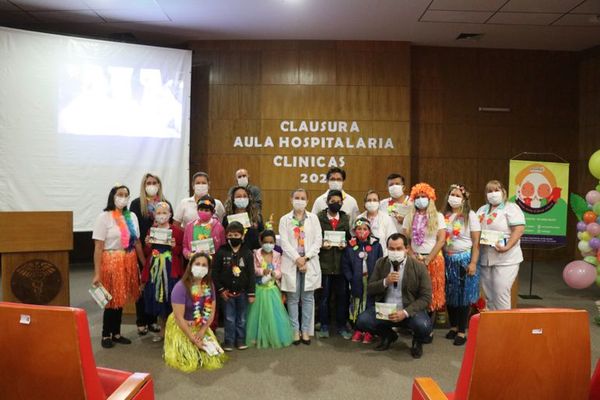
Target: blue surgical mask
x,y
421,203
241,202
268,247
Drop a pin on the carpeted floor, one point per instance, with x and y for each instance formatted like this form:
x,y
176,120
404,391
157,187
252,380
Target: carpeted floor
x,y
327,369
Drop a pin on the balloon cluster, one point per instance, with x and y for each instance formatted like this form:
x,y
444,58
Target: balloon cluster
x,y
580,274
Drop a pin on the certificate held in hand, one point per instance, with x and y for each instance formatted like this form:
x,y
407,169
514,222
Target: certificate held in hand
x,y
383,310
203,246
242,218
492,238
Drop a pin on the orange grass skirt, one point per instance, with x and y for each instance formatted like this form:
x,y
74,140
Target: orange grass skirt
x,y
437,273
120,276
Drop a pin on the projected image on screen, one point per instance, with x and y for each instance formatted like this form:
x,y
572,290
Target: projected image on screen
x,y
109,100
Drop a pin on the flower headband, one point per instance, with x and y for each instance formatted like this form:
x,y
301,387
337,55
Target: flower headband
x,y
461,188
361,222
162,205
423,188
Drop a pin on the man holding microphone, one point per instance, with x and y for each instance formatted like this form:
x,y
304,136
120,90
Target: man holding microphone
x,y
401,280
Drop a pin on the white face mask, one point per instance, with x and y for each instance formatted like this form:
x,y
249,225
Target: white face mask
x,y
421,203
241,202
396,191
268,247
199,271
455,201
396,255
299,205
201,189
243,181
335,185
372,205
494,198
151,190
161,218
121,201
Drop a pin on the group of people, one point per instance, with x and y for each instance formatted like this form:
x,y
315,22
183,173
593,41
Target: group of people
x,y
400,254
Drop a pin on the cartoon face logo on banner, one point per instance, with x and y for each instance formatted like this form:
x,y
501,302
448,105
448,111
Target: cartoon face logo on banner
x,y
537,191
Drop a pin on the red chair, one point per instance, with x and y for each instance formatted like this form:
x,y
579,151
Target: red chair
x,y
521,354
45,353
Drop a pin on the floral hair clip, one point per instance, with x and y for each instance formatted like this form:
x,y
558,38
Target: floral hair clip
x,y
461,188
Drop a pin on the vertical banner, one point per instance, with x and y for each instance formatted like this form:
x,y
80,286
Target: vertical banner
x,y
540,189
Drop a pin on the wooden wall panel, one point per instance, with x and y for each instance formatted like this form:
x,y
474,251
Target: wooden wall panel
x,y
453,141
245,89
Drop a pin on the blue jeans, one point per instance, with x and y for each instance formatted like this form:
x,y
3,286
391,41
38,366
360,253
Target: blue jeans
x,y
235,320
420,324
307,299
337,284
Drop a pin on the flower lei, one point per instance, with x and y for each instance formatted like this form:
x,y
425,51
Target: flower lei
x,y
453,231
489,218
201,295
419,226
391,208
299,232
125,223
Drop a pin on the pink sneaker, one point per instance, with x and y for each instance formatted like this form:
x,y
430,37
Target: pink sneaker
x,y
357,337
368,338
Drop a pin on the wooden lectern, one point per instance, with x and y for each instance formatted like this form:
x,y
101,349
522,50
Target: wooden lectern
x,y
35,256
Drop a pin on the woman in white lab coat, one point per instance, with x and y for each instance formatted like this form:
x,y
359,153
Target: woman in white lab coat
x,y
301,237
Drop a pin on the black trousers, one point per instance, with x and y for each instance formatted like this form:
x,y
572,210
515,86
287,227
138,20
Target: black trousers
x,y
141,318
459,317
111,322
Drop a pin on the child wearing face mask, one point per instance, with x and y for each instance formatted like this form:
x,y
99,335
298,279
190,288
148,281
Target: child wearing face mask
x,y
382,225
268,322
233,275
332,279
162,269
358,262
207,226
144,208
241,201
189,341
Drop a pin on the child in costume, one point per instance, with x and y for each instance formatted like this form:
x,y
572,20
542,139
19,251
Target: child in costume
x,y
268,322
189,342
233,274
358,262
162,269
207,226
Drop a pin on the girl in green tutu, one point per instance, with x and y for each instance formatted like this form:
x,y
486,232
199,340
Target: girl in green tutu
x,y
189,342
268,324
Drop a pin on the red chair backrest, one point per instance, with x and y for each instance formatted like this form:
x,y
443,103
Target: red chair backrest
x,y
526,354
46,353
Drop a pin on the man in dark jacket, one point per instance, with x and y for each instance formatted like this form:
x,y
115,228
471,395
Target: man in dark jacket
x,y
401,280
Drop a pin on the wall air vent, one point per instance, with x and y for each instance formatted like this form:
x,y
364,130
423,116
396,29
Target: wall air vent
x,y
470,36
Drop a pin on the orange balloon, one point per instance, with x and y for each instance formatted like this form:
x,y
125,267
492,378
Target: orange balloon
x,y
589,217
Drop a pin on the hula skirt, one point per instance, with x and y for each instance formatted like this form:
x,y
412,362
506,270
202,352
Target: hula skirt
x,y
438,283
120,276
157,292
461,289
182,354
268,323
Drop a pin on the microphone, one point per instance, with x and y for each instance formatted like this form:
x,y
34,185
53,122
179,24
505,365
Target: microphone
x,y
395,265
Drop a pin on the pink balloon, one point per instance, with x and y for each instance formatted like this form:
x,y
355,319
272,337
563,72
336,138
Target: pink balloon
x,y
592,197
593,229
579,274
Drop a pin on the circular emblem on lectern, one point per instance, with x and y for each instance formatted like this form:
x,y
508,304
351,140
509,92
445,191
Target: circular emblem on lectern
x,y
36,282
